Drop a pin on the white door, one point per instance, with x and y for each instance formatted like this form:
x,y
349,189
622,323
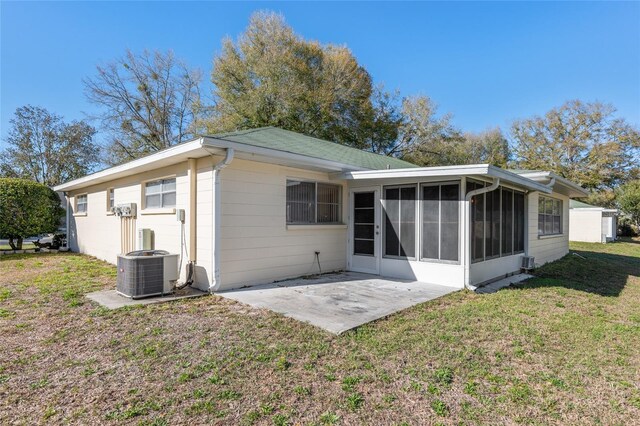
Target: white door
x,y
364,230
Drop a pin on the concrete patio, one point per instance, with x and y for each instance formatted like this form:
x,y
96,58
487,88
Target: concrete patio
x,y
338,302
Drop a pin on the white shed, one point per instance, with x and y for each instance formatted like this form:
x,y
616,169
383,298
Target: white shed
x,y
592,224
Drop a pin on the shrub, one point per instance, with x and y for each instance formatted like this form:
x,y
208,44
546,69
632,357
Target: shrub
x,y
27,208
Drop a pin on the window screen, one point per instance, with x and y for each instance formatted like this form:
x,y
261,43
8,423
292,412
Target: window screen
x,y
312,202
549,216
111,203
81,203
440,221
477,222
160,193
400,229
497,222
507,221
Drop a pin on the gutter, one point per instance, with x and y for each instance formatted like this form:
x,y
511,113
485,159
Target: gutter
x,y
467,229
215,222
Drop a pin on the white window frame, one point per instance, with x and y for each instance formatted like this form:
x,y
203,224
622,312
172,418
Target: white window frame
x,y
315,203
162,193
560,215
86,204
111,190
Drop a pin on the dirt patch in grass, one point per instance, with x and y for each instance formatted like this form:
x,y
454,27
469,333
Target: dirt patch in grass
x,y
563,348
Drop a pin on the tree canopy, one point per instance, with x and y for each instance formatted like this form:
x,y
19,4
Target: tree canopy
x,y
628,197
581,141
148,101
27,208
272,77
45,148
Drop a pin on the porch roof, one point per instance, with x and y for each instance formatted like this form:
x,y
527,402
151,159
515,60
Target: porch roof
x,y
469,170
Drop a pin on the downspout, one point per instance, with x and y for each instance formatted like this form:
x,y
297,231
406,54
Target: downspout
x,y
215,221
467,228
66,244
551,183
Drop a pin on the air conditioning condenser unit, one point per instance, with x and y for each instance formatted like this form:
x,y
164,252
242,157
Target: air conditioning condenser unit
x,y
145,273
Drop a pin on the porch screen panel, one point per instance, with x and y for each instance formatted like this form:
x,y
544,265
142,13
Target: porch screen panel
x,y
492,237
400,229
518,219
392,222
449,222
507,221
430,221
477,223
363,223
408,222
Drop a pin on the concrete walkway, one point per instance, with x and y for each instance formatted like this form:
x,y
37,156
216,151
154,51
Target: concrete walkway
x,y
338,302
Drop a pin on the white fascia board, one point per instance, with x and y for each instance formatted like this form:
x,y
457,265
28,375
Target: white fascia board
x,y
294,160
474,169
449,171
159,159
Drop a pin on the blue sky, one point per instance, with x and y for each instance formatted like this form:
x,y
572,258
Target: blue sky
x,y
486,63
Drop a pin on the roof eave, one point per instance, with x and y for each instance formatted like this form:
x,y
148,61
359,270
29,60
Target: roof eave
x,y
574,190
448,171
162,158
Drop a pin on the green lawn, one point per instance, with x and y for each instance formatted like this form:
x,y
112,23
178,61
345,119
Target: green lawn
x,y
562,348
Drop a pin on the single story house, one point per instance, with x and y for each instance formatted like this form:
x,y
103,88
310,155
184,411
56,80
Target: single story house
x,y
267,204
592,224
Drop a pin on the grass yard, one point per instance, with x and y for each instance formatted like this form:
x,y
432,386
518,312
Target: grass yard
x,y
562,348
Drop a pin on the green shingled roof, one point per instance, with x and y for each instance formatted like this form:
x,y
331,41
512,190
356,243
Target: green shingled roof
x,y
296,143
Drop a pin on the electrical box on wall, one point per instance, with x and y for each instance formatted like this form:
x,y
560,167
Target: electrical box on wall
x,y
180,215
125,210
145,239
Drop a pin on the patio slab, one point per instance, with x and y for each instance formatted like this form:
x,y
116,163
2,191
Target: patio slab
x,y
338,302
110,299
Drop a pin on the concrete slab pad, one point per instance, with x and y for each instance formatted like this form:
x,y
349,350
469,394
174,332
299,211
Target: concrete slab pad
x,y
338,302
505,282
110,299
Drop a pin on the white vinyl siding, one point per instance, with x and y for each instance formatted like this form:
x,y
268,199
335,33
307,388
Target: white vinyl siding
x,y
160,193
257,243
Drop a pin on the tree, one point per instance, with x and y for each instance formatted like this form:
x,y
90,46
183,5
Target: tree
x,y
583,142
427,139
488,147
27,208
272,77
149,101
42,147
628,198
